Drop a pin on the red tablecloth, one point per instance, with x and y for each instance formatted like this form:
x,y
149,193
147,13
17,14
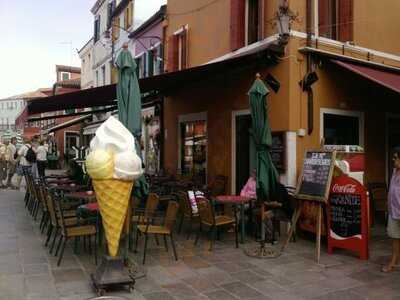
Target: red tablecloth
x,y
233,199
92,206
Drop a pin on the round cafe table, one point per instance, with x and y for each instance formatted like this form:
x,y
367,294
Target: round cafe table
x,y
238,201
84,196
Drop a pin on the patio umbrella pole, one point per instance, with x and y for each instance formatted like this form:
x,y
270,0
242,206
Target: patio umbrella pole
x,y
267,176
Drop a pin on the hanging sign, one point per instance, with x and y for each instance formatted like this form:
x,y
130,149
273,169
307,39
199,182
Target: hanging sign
x,y
316,175
347,214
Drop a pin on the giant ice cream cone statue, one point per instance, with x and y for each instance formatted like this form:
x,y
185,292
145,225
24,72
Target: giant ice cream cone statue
x,y
113,166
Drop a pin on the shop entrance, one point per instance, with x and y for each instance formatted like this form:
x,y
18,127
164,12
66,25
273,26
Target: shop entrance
x,y
244,150
393,141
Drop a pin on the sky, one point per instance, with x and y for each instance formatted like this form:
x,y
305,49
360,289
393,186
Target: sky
x,y
38,34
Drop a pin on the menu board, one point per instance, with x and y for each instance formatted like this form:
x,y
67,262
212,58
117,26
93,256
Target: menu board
x,y
316,175
278,151
345,214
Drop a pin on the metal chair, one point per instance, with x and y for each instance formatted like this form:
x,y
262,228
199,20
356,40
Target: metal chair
x,y
378,192
186,212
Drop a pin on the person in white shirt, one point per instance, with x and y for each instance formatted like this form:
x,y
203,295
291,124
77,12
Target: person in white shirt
x,y
11,160
25,165
41,159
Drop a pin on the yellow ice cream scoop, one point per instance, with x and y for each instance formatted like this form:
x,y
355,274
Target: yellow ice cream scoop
x,y
100,164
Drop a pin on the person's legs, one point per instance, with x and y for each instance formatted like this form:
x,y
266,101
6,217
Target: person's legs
x,y
395,256
11,171
40,167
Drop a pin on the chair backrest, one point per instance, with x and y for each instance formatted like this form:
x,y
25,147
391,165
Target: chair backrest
x,y
41,192
59,214
218,186
170,216
184,203
50,206
206,211
151,204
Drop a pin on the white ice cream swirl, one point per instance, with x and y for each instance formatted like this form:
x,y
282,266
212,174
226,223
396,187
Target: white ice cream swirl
x,y
115,138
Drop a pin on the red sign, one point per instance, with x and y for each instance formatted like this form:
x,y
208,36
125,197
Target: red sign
x,y
347,212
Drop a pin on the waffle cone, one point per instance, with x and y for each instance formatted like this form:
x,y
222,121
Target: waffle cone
x,y
113,196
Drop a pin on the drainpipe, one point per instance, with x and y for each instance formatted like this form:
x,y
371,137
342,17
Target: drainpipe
x,y
310,98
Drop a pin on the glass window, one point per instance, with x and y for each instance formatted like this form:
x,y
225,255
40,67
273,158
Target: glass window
x,y
252,21
341,130
194,149
103,74
65,75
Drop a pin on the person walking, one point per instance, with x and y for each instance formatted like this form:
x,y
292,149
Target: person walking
x,y
11,157
27,158
393,224
3,164
41,159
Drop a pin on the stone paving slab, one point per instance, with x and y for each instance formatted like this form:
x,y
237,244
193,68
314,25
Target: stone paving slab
x,y
28,271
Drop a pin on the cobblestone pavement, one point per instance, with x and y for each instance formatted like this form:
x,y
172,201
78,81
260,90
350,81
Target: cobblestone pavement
x,y
27,271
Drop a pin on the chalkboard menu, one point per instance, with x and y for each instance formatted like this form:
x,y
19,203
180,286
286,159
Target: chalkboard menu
x,y
278,151
345,214
315,179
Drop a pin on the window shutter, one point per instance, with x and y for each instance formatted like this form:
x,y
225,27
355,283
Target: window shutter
x,y
323,18
237,25
345,20
184,58
144,63
173,52
137,61
150,63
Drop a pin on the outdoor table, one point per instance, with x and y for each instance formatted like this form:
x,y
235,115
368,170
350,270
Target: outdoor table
x,y
60,181
57,176
84,196
236,201
68,188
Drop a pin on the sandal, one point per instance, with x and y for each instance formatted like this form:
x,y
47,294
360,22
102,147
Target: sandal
x,y
388,269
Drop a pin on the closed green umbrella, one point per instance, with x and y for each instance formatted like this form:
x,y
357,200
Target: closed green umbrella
x,y
267,176
129,107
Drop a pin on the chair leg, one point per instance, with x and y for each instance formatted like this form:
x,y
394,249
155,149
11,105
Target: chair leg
x,y
190,229
59,244
173,246
54,240
90,244
95,249
180,224
236,234
212,237
198,235
156,239
49,232
145,247
62,251
165,242
136,241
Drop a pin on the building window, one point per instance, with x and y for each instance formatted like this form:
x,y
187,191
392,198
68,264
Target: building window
x,y
252,21
341,127
178,50
157,59
103,74
115,29
150,63
193,143
65,75
128,15
141,62
96,29
335,19
97,77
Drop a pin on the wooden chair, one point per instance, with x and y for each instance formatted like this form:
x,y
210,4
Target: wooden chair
x,y
186,212
141,217
54,224
378,198
76,231
164,230
210,219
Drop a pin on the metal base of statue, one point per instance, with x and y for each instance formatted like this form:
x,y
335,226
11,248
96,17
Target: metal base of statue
x,y
111,273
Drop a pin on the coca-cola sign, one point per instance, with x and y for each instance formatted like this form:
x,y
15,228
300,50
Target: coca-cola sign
x,y
344,189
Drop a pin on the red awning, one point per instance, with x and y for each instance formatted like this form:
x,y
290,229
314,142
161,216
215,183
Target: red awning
x,y
386,78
